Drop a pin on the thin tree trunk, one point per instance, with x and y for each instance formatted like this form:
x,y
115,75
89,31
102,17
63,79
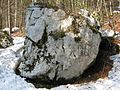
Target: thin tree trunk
x,y
110,7
6,21
105,5
0,18
34,1
9,16
119,4
15,13
71,5
1,14
21,17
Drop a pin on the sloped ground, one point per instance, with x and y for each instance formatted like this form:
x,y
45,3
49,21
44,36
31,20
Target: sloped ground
x,y
10,81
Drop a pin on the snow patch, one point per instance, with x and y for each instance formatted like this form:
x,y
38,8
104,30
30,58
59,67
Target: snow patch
x,y
15,29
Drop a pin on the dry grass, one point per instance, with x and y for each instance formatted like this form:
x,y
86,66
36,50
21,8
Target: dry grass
x,y
19,34
113,22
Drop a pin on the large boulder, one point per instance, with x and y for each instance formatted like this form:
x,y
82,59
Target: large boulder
x,y
56,46
5,39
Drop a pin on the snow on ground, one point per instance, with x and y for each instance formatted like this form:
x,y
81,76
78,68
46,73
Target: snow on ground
x,y
8,59
10,81
116,11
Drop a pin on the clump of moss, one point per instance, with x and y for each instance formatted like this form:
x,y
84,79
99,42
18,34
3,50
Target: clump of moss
x,y
74,27
57,34
77,39
1,46
94,28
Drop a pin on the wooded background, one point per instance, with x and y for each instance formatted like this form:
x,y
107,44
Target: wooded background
x,y
12,12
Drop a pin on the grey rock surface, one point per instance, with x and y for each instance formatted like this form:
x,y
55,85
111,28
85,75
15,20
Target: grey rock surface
x,y
55,46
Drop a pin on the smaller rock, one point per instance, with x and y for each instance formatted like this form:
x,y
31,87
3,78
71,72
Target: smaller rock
x,y
90,20
5,39
7,30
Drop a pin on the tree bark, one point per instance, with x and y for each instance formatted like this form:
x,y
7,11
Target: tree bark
x,y
9,16
34,1
15,24
1,1
21,17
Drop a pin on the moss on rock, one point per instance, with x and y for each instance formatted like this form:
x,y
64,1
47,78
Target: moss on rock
x,y
5,39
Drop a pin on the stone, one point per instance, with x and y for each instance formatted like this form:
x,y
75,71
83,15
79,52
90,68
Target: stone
x,y
56,47
5,39
91,19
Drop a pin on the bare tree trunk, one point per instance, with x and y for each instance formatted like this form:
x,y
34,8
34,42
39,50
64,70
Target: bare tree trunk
x,y
15,13
21,17
34,1
6,21
9,16
74,5
105,5
0,18
71,5
1,13
110,7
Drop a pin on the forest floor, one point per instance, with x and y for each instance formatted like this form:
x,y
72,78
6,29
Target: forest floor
x,y
113,25
106,79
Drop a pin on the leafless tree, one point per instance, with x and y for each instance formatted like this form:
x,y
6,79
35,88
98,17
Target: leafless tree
x,y
1,9
15,24
9,16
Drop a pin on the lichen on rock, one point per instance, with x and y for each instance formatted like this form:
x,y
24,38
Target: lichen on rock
x,y
5,39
